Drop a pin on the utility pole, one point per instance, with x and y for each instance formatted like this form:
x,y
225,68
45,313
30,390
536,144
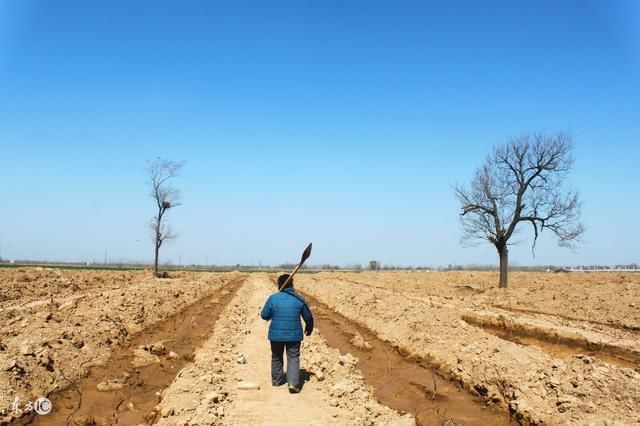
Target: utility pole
x,y
105,257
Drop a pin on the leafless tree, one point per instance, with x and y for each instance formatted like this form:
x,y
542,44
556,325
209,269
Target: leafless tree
x,y
165,196
522,181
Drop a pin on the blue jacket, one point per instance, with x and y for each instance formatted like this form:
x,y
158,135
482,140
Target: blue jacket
x,y
284,309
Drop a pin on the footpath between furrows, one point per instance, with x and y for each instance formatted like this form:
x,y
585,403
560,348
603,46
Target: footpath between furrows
x,y
534,386
207,392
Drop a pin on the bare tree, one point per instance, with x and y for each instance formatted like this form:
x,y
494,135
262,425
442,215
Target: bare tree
x,y
522,181
166,197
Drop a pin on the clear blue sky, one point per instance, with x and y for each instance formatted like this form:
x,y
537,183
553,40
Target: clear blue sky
x,y
343,123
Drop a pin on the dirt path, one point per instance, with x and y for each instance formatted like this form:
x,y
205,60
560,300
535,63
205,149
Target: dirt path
x,y
206,392
266,406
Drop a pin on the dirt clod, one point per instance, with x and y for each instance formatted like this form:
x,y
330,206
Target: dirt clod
x,y
83,420
245,386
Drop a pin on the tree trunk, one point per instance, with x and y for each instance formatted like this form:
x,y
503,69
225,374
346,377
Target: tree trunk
x,y
503,251
155,265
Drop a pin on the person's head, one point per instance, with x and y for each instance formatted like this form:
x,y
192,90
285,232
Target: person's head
x,y
282,279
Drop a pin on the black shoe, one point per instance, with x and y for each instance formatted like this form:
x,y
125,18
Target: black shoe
x,y
280,382
294,389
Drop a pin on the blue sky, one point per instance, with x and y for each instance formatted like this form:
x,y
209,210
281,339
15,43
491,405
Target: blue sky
x,y
341,123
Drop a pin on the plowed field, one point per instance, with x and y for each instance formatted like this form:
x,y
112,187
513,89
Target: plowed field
x,y
399,348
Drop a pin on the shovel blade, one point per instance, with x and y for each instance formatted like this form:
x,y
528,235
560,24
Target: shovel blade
x,y
306,253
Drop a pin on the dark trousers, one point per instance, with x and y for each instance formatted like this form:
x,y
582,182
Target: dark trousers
x,y
293,363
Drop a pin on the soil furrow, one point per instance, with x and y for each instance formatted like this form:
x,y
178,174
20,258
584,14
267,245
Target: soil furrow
x,y
402,382
207,392
125,389
628,328
533,385
556,343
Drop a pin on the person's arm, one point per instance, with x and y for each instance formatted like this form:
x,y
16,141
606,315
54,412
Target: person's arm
x,y
308,320
266,310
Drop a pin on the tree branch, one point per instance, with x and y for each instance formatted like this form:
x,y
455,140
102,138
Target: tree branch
x,y
522,181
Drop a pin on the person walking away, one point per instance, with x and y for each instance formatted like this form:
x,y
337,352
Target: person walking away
x,y
284,309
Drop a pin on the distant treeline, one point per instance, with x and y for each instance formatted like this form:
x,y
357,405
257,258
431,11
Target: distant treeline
x,y
311,268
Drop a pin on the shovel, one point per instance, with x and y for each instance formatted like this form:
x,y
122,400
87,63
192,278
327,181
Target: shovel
x,y
305,256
